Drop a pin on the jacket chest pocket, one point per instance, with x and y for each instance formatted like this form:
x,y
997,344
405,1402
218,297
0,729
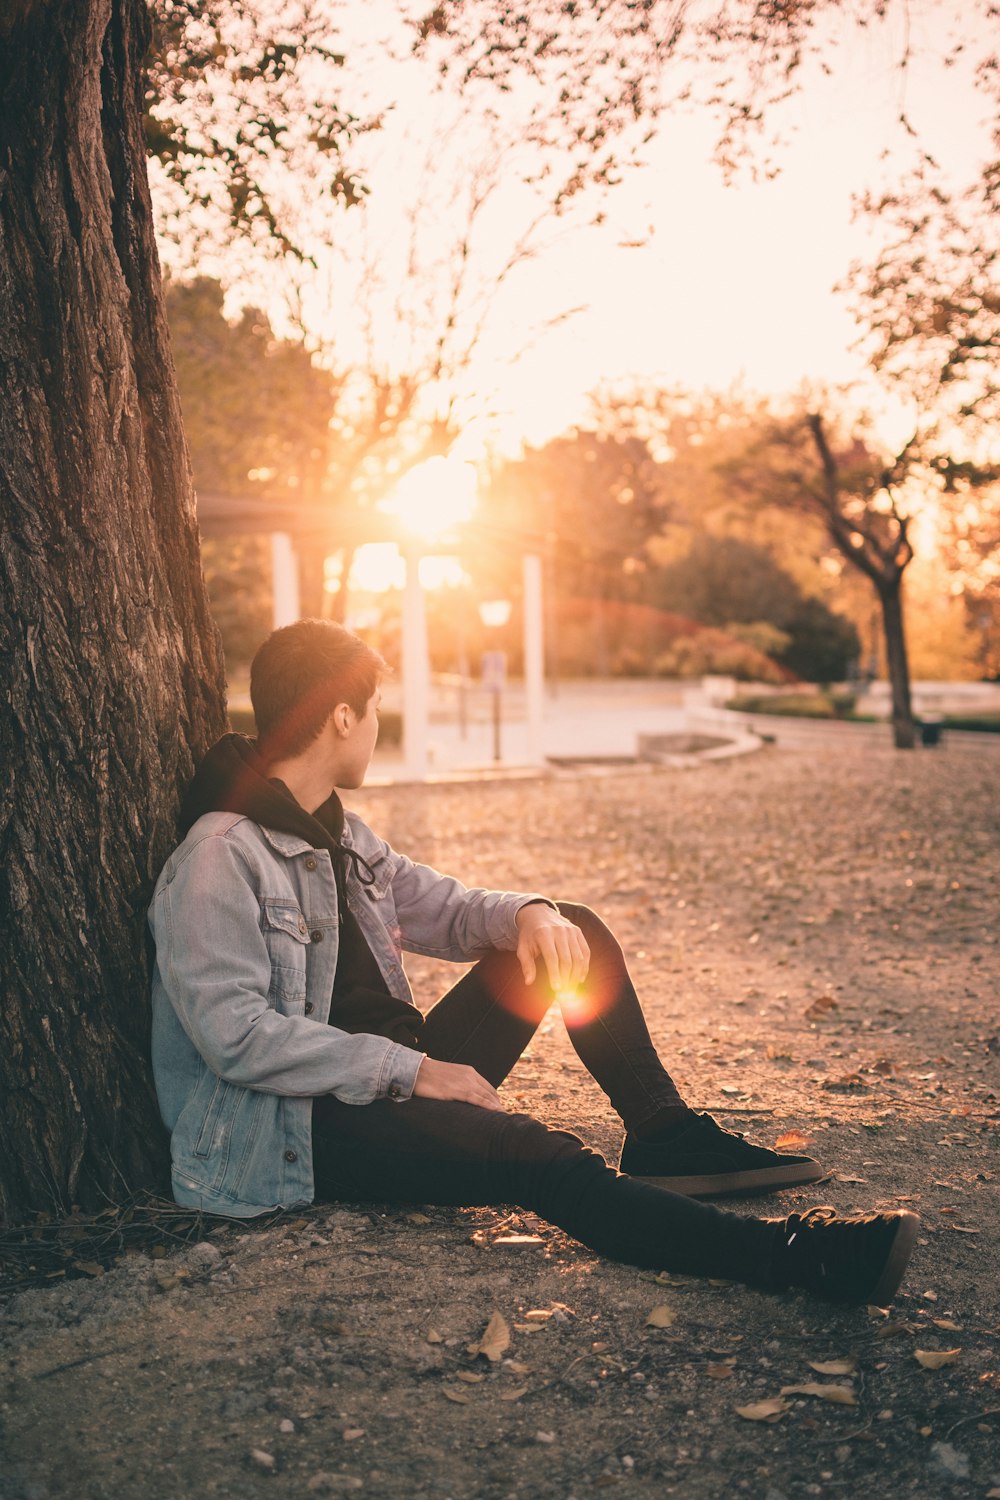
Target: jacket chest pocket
x,y
287,936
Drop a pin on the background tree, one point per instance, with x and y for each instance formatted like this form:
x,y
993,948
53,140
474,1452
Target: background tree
x,y
729,583
591,501
257,413
804,468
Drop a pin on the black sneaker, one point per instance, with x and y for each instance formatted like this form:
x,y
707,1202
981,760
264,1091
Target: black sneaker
x,y
858,1260
704,1161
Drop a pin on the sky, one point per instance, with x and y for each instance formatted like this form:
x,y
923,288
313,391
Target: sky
x,y
690,281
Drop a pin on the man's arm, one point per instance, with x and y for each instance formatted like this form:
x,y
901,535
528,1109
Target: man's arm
x,y
215,969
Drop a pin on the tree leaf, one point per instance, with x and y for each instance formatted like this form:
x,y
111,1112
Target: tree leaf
x,y
719,1371
495,1339
933,1359
841,1395
469,1377
661,1317
792,1140
459,1397
763,1411
514,1395
833,1366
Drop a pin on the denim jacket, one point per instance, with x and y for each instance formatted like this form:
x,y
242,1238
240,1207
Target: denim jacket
x,y
245,925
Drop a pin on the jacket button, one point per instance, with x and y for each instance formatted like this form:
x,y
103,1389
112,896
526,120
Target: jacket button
x,y
395,1092
316,936
310,863
302,924
309,1007
291,1156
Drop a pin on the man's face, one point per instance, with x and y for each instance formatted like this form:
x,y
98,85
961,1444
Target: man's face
x,y
358,745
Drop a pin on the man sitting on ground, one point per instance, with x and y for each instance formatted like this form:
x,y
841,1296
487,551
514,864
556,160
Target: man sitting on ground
x,y
291,1063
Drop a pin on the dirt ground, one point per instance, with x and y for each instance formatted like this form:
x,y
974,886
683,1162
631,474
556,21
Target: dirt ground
x,y
815,937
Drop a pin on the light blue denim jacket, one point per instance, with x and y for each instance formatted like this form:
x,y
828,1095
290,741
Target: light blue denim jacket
x,y
246,930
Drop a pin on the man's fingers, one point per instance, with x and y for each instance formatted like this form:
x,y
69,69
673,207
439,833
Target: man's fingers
x,y
527,962
441,1080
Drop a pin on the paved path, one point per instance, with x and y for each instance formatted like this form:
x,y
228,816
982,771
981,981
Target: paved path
x,y
603,720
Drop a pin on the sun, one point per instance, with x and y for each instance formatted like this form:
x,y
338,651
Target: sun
x,y
433,498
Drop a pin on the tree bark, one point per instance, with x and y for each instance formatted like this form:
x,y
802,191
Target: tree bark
x,y
111,669
904,729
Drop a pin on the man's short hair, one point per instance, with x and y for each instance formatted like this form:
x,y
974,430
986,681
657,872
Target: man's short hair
x,y
298,677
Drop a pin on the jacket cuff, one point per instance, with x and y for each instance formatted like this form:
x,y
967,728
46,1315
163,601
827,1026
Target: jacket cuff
x,y
398,1073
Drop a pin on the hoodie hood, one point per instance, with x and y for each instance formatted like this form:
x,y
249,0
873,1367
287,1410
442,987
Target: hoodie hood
x,y
233,778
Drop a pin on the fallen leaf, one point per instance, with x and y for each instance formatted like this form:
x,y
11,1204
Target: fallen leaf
x,y
763,1411
933,1359
514,1395
459,1397
419,1219
719,1372
730,1088
351,1434
947,1323
89,1267
262,1459
519,1241
469,1377
929,1296
433,1337
792,1140
296,1225
821,1005
893,1330
833,1366
495,1339
961,1229
661,1317
538,1315
516,1367
841,1395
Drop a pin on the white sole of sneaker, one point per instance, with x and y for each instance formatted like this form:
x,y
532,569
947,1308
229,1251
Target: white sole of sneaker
x,y
731,1184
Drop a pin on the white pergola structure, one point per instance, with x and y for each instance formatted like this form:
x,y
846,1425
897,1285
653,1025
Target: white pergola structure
x,y
416,665
234,516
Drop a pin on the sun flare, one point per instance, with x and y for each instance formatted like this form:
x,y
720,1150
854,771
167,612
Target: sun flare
x,y
433,498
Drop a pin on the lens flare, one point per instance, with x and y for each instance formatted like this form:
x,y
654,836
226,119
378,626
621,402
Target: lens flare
x,y
577,1006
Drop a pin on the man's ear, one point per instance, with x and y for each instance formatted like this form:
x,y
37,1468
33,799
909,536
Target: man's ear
x,y
342,717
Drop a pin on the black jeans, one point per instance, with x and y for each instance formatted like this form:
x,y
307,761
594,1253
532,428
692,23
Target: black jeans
x,y
445,1151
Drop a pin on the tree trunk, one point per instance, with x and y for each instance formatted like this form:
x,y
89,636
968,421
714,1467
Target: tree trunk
x,y
904,730
112,678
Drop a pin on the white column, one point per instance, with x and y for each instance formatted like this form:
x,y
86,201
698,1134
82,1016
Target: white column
x,y
284,580
416,672
534,658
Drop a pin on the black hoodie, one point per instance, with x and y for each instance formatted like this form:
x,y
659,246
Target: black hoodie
x,y
232,778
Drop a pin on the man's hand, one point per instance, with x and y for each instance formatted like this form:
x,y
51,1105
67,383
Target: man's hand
x,y
547,934
443,1080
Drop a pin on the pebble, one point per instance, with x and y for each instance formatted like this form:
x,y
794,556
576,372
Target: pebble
x,y
286,1425
950,1460
262,1459
545,1437
204,1254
